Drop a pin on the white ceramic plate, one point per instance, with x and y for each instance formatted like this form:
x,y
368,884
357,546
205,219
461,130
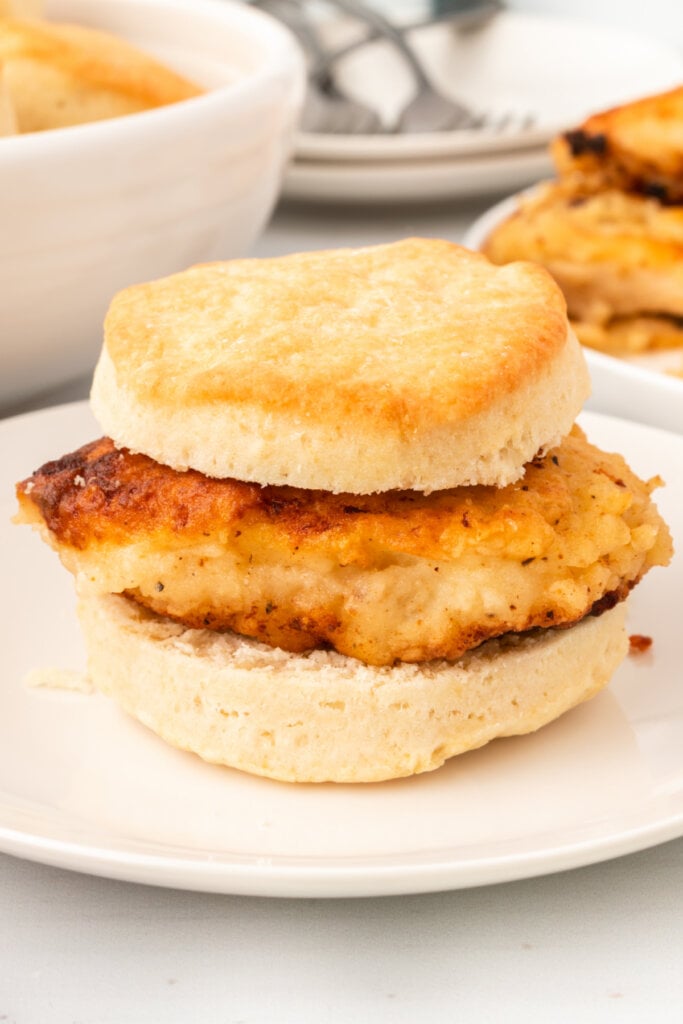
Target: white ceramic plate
x,y
365,181
555,69
633,387
84,787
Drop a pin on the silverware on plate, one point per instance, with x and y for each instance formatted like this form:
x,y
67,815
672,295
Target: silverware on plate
x,y
330,110
428,110
326,108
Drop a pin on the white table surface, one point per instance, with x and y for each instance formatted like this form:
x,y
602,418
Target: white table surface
x,y
603,943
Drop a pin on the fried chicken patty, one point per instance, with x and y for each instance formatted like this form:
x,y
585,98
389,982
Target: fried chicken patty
x,y
632,335
398,576
618,259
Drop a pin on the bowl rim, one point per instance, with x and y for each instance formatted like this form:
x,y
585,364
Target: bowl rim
x,y
283,59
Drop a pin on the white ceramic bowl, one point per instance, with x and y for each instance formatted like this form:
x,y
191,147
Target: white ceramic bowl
x,y
631,390
87,210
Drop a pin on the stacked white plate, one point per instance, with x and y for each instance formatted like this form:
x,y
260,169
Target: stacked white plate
x,y
546,72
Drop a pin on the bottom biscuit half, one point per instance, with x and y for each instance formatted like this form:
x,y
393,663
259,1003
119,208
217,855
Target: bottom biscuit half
x,y
325,717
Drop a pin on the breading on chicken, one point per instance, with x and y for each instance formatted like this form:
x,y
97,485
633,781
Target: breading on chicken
x,y
396,576
633,335
618,259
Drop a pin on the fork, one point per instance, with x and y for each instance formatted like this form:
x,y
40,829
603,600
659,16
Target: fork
x,y
326,108
329,110
428,110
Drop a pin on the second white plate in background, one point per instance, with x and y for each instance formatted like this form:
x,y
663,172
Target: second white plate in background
x,y
413,180
556,70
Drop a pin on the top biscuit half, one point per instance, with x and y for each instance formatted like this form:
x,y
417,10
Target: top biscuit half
x,y
414,365
636,147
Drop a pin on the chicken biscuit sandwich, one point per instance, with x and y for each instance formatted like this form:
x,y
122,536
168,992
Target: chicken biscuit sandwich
x,y
341,526
610,229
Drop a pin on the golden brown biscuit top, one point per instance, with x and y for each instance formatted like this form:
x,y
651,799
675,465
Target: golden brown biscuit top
x,y
637,146
414,332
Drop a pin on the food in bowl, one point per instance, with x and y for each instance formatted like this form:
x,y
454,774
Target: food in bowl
x,y
341,527
55,75
21,8
610,228
89,209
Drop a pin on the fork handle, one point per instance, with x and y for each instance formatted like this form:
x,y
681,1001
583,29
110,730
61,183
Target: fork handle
x,y
292,14
383,27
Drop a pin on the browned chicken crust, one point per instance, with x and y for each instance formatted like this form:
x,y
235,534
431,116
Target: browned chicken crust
x,y
610,229
618,259
386,577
